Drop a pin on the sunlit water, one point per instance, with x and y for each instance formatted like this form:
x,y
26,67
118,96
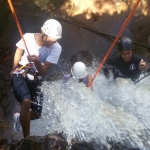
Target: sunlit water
x,y
117,110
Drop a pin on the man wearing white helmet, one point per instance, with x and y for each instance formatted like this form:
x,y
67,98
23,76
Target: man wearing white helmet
x,y
28,69
79,72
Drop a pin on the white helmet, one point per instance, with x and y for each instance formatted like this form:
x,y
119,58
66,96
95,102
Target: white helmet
x,y
79,70
52,28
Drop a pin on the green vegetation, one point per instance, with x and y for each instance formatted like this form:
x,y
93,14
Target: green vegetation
x,y
4,14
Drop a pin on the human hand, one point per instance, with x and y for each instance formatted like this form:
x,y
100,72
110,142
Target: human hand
x,y
143,65
32,58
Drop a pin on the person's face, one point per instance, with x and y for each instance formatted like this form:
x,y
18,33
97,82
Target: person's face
x,y
48,41
126,55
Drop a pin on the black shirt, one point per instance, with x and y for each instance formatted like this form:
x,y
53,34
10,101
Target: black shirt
x,y
123,69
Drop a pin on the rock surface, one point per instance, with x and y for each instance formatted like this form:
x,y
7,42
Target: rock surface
x,y
56,142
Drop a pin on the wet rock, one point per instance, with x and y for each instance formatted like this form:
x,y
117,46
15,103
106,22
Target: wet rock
x,y
149,40
140,28
49,142
83,56
55,141
1,1
3,143
30,143
83,146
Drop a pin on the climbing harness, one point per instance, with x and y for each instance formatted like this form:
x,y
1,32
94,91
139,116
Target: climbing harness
x,y
115,41
27,71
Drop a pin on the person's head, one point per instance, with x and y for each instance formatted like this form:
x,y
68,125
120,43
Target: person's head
x,y
125,47
79,70
51,32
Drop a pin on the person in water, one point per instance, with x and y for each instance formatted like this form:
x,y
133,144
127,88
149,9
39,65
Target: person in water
x,y
127,64
79,72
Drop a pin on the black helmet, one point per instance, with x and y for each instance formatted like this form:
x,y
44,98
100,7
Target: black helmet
x,y
125,44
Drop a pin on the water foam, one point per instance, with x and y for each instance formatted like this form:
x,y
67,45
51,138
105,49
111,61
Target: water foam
x,y
118,110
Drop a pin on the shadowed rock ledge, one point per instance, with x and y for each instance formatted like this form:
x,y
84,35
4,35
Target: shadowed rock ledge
x,y
57,142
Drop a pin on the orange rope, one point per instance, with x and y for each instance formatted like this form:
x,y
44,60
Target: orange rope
x,y
18,25
115,41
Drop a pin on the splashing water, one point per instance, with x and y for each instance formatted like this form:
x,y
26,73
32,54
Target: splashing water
x,y
132,98
114,109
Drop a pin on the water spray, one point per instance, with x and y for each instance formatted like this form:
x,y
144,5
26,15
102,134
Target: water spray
x,y
142,78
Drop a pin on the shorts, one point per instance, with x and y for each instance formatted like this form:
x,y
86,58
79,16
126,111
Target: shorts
x,y
28,89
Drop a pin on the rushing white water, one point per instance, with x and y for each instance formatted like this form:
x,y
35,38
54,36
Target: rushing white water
x,y
115,109
132,98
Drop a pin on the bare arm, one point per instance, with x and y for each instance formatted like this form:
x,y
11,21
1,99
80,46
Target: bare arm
x,y
42,69
88,81
17,57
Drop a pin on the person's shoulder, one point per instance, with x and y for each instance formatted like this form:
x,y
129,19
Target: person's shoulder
x,y
28,38
27,35
56,48
57,45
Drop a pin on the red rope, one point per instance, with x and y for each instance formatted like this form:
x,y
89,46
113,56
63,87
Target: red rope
x,y
115,41
18,25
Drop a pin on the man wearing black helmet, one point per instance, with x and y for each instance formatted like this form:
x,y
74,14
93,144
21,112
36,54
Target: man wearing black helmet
x,y
126,65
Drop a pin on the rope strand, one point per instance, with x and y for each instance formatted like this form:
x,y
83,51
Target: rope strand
x,y
18,25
